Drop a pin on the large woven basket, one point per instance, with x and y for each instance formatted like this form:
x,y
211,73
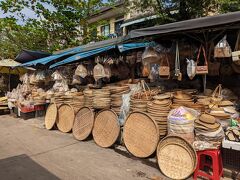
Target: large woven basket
x,y
140,134
51,116
176,157
66,117
106,128
83,123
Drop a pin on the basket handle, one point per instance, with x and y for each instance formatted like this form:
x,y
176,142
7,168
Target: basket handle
x,y
217,91
201,48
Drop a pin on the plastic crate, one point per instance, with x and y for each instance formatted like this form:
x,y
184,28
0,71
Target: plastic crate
x,y
231,159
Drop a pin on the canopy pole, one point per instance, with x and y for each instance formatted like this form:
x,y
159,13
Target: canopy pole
x,y
204,83
9,78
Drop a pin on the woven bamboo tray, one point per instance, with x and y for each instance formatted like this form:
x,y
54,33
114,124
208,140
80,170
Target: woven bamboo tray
x,y
176,157
106,128
83,123
140,134
51,116
66,117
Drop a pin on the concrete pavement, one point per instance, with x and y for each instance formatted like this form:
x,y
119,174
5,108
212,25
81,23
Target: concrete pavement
x,y
28,151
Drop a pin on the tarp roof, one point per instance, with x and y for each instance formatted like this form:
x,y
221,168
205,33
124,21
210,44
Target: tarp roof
x,y
29,55
72,51
188,25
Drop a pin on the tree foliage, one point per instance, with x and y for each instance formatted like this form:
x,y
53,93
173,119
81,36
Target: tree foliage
x,y
63,22
177,10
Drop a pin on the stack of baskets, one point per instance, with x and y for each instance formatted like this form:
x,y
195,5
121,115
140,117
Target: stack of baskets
x,y
181,98
158,109
88,98
60,98
140,99
116,97
101,98
77,101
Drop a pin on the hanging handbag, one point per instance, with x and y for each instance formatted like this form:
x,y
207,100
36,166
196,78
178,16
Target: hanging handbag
x,y
202,69
222,49
164,69
236,52
178,73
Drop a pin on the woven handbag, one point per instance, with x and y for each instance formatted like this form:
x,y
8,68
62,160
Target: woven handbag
x,y
217,95
164,69
222,49
236,52
202,69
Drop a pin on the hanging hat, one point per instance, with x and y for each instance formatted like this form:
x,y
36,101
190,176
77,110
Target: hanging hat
x,y
81,71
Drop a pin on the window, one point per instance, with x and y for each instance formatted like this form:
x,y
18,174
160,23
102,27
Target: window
x,y
118,29
105,30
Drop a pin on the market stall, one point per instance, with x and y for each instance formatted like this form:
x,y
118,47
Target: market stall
x,y
150,97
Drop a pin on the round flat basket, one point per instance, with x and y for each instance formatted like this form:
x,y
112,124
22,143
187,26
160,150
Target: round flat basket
x,y
83,123
106,128
51,116
66,117
140,134
176,157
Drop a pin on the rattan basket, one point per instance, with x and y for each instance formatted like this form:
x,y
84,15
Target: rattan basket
x,y
140,134
106,128
83,123
176,157
51,116
66,117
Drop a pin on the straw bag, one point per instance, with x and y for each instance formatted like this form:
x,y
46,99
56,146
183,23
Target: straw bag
x,y
202,69
236,52
164,70
178,73
145,70
98,72
81,71
222,49
217,95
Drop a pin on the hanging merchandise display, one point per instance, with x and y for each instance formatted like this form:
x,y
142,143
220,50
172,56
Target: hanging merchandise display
x,y
81,71
164,69
222,49
178,73
150,55
236,52
204,68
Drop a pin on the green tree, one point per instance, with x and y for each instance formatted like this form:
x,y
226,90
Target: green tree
x,y
15,37
64,20
177,10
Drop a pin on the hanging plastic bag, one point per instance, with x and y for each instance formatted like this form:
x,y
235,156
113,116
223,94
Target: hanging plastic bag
x,y
191,68
81,71
150,55
222,49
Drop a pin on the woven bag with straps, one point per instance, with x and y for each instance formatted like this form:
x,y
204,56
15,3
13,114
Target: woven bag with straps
x,y
178,73
202,69
164,69
217,95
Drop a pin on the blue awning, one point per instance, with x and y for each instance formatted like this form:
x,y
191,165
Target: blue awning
x,y
46,60
82,55
129,46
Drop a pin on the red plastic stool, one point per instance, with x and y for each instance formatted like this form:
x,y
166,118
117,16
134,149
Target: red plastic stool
x,y
216,165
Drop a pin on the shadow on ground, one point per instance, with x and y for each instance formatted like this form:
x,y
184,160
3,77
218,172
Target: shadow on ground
x,y
23,167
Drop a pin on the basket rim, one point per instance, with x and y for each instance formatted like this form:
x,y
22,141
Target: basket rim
x,y
55,116
156,127
182,139
92,113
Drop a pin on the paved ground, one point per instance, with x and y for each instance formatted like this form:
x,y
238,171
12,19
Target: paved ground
x,y
28,151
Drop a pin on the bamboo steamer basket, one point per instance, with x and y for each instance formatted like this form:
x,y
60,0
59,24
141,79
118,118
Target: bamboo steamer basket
x,y
140,134
66,117
83,123
51,116
176,157
106,128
